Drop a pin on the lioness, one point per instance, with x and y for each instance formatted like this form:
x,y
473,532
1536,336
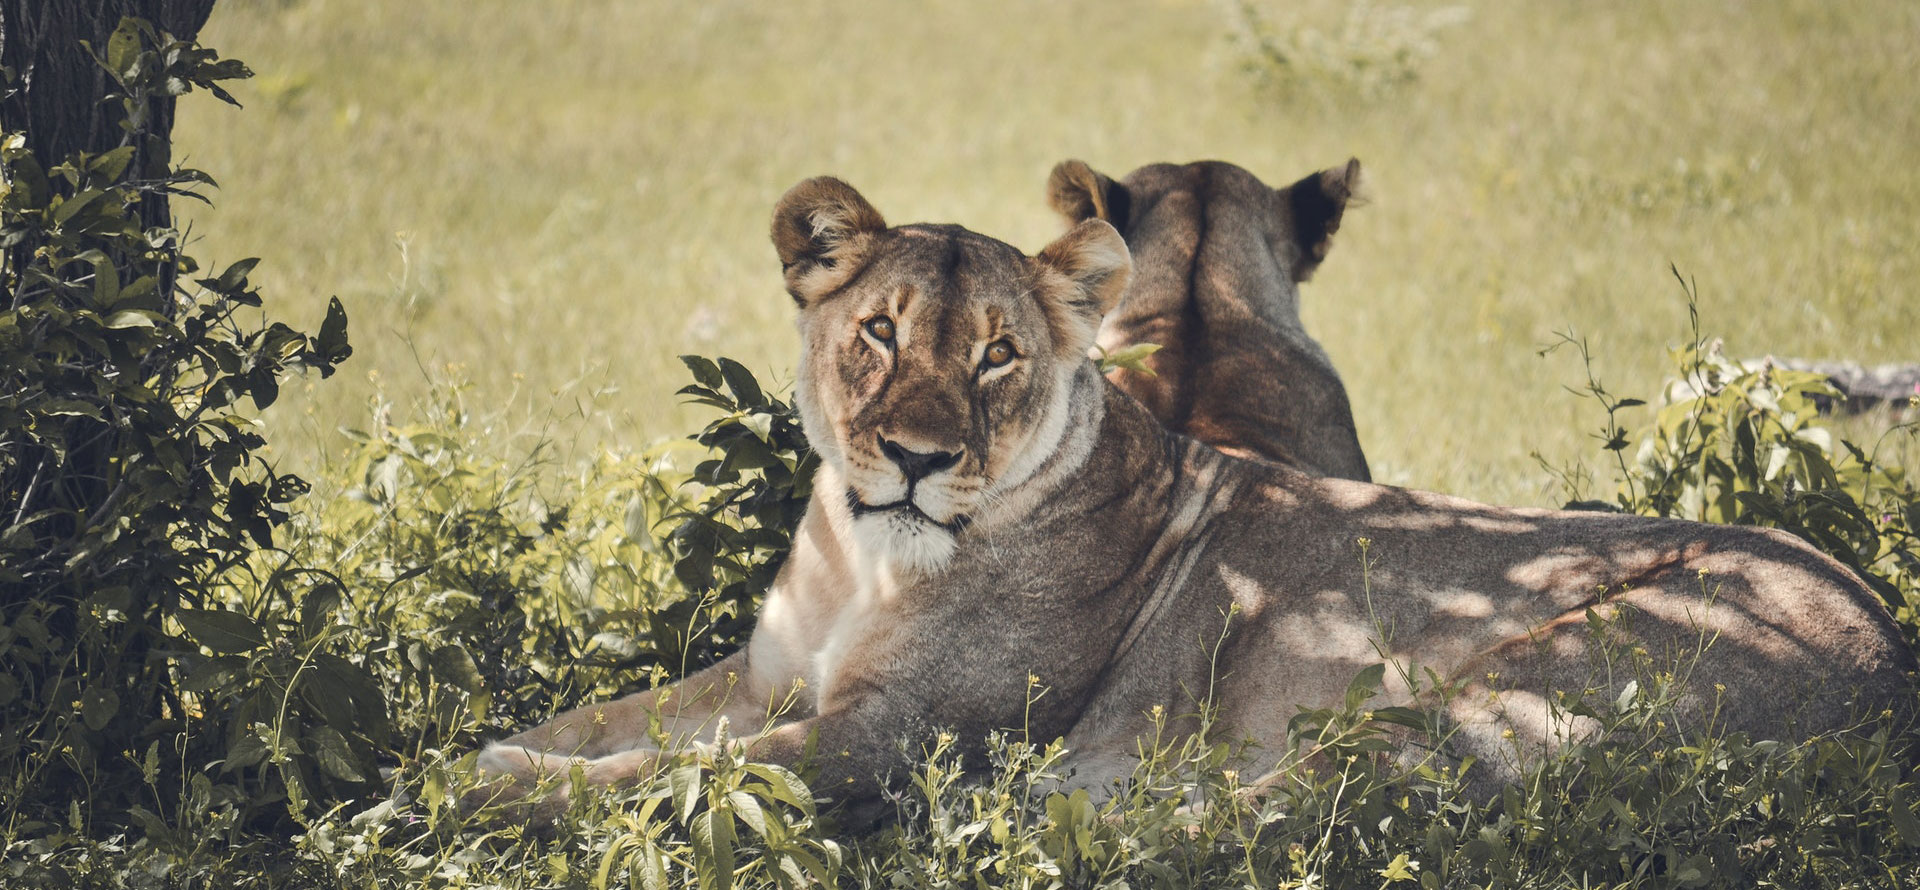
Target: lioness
x,y
989,509
1218,258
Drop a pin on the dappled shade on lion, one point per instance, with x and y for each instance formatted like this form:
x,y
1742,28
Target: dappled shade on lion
x,y
992,514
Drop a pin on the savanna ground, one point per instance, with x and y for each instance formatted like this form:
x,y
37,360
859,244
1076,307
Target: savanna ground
x,y
529,210
555,199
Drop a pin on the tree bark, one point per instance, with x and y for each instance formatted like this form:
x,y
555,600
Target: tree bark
x,y
52,95
57,88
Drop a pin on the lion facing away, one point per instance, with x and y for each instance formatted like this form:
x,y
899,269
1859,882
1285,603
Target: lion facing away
x,y
990,509
1218,259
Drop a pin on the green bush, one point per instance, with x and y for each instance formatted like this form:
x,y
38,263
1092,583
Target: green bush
x,y
1751,446
129,467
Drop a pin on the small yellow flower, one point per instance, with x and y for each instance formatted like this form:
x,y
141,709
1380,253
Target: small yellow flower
x,y
1507,733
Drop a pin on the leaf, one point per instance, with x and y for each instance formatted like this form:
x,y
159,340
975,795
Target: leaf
x,y
653,868
1132,357
748,808
746,390
683,782
106,286
264,386
316,610
222,631
334,754
1900,812
1401,716
133,318
1695,871
211,674
331,700
576,578
97,707
123,48
110,164
454,664
1400,869
235,275
713,843
332,339
704,370
784,785
72,206
1776,461
1365,685
1627,694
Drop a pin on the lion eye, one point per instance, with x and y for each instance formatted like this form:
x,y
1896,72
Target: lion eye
x,y
999,352
881,327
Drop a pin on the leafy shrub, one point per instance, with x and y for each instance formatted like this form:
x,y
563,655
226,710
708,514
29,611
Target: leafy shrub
x,y
1749,446
130,471
760,481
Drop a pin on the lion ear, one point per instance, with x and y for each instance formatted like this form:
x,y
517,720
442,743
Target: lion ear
x,y
1084,274
1314,206
1079,193
823,230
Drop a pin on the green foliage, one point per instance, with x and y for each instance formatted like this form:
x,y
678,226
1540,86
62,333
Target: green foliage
x,y
733,541
129,468
1620,810
1132,358
1749,445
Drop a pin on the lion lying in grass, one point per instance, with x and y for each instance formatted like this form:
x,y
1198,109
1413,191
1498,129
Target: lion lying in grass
x,y
1218,258
993,517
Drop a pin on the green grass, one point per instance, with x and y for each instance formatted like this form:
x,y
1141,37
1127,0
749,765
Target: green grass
x,y
554,199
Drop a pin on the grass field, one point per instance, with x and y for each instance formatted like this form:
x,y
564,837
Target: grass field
x,y
552,200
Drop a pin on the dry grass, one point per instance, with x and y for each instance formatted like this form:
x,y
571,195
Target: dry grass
x,y
556,198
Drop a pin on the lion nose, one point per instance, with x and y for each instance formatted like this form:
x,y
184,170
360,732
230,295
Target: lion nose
x,y
917,464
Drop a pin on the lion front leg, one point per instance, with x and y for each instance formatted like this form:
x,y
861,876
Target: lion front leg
x,y
537,787
615,740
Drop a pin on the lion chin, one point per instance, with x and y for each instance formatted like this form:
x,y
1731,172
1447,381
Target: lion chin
x,y
905,539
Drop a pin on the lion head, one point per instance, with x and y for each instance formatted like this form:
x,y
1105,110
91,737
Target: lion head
x,y
937,364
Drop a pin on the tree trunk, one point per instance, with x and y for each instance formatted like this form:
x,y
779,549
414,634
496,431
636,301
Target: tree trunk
x,y
51,94
55,100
